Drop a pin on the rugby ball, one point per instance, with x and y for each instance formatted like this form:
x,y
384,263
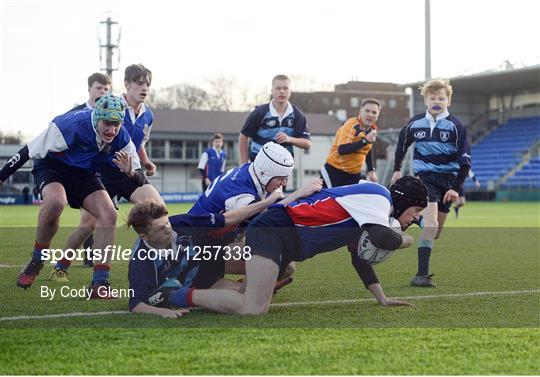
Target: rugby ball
x,y
372,254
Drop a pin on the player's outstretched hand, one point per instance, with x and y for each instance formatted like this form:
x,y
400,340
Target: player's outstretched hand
x,y
173,313
395,177
150,168
450,196
124,162
396,303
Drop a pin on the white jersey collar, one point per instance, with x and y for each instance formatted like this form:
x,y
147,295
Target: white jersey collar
x,y
131,110
274,112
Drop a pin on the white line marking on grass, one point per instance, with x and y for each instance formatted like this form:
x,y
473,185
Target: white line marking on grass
x,y
290,304
62,315
425,297
11,265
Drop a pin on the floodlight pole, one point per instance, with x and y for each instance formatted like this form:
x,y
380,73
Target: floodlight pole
x,y
427,40
108,46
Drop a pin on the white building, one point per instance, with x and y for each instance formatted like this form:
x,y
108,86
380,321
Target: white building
x,y
179,137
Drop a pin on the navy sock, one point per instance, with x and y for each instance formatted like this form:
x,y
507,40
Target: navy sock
x,y
36,254
63,264
181,298
424,253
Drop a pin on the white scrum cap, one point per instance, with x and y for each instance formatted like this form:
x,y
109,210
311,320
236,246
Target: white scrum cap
x,y
273,160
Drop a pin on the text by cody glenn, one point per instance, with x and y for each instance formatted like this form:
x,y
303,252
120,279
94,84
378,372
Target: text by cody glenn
x,y
83,292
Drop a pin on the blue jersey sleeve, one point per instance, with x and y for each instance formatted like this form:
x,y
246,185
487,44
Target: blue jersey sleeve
x,y
300,127
253,122
206,220
463,147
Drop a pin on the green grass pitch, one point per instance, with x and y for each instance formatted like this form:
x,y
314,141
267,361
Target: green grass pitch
x,y
483,317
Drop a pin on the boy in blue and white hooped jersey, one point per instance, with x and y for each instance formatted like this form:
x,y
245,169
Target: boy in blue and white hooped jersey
x,y
278,121
64,156
441,159
212,161
323,222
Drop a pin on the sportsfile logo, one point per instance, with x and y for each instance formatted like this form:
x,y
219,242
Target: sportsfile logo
x,y
112,252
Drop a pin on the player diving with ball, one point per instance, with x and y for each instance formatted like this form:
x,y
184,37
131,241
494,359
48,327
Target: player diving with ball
x,y
324,221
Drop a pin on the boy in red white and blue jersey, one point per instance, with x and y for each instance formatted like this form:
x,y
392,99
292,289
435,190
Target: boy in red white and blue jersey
x,y
324,221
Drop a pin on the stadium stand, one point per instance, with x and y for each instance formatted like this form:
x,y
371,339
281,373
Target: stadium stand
x,y
502,150
528,177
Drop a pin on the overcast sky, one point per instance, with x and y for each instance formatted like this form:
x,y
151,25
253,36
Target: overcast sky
x,y
49,48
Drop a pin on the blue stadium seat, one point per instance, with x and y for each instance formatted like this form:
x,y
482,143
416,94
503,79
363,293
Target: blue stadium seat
x,y
501,150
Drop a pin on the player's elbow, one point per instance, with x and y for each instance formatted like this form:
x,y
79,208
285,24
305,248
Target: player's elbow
x,y
384,237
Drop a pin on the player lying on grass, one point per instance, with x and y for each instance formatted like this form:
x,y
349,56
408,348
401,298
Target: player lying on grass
x,y
167,254
322,222
244,185
64,156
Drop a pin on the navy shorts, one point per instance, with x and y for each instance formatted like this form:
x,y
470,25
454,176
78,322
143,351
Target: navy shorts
x,y
272,235
338,178
437,185
78,183
117,183
210,271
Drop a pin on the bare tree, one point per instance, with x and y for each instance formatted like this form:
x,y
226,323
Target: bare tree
x,y
190,97
180,96
230,94
10,138
223,91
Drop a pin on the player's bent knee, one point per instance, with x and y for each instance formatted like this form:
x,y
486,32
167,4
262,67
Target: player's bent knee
x,y
108,216
55,206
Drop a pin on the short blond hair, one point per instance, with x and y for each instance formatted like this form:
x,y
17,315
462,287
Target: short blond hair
x,y
373,101
434,85
280,77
